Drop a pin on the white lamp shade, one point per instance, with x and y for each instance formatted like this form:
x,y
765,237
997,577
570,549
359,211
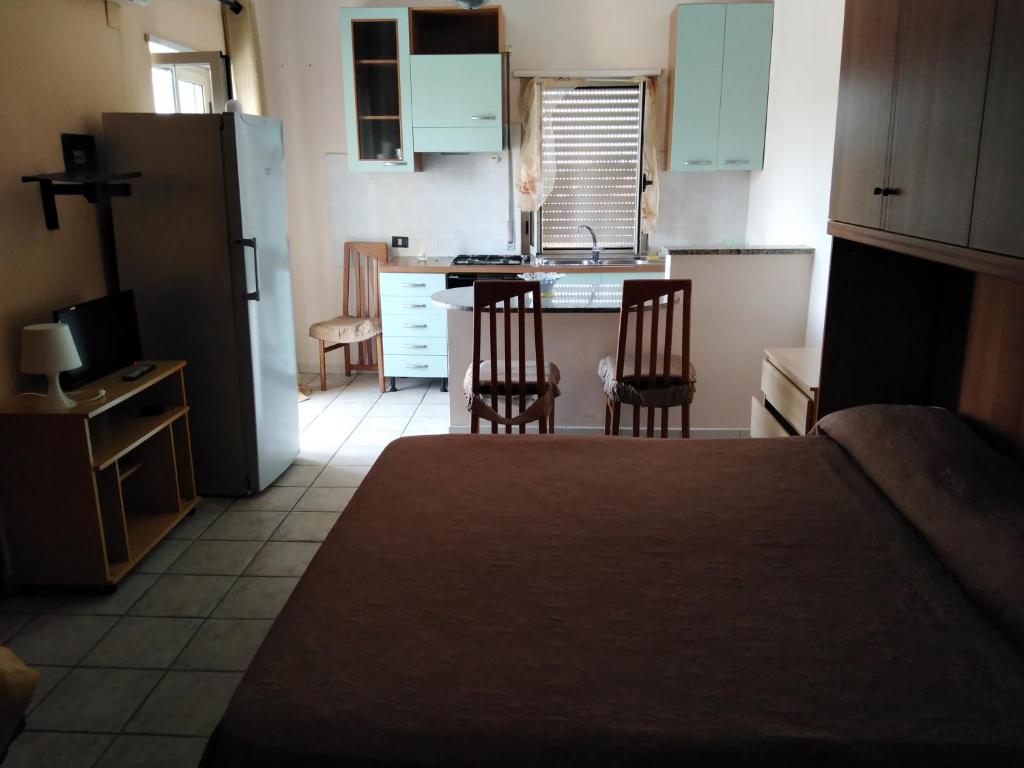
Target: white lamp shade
x,y
48,348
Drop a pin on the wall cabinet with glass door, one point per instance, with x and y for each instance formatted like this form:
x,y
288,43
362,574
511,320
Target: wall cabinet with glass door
x,y
377,86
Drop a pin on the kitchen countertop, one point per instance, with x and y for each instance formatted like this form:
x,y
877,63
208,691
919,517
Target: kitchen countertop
x,y
443,265
726,250
568,297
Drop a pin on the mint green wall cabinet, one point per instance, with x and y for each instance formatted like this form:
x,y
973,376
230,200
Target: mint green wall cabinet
x,y
745,68
697,86
721,63
377,89
456,102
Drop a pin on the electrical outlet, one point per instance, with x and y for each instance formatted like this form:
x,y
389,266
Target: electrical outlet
x,y
398,241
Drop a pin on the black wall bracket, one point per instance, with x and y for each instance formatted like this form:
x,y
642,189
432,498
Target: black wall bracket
x,y
98,188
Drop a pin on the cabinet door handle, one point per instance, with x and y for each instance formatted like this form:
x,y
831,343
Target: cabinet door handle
x,y
886,191
696,162
414,306
411,365
414,325
483,117
736,161
414,285
395,162
414,346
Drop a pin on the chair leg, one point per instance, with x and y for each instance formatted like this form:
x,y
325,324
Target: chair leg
x,y
474,424
551,419
686,421
664,422
636,421
607,417
348,361
616,417
323,368
380,362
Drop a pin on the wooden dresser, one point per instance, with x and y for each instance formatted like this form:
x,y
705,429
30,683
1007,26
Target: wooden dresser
x,y
788,403
87,492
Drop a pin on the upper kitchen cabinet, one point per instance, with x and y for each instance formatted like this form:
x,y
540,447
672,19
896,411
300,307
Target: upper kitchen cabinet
x,y
911,100
376,76
456,103
457,79
999,191
721,58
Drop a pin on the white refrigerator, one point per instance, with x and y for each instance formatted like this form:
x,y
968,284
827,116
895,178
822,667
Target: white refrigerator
x,y
203,243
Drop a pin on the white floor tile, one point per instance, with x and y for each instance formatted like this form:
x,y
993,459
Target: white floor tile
x,y
298,475
387,407
438,411
325,500
422,426
335,476
352,456
274,499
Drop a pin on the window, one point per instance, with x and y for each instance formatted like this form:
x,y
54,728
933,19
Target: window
x,y
591,150
185,81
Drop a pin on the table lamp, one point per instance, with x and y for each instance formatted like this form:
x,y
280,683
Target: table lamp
x,y
49,348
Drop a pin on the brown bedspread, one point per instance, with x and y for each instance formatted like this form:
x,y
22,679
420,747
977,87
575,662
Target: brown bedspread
x,y
595,602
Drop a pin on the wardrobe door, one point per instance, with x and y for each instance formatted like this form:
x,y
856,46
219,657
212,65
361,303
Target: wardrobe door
x,y
866,82
999,192
943,67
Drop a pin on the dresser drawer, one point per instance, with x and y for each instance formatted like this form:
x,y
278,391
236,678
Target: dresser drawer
x,y
405,345
433,366
428,325
762,423
416,306
410,284
787,398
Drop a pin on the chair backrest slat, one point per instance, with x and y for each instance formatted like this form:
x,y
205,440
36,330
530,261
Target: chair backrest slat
x,y
488,295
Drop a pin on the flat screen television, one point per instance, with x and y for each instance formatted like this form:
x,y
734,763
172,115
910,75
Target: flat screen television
x,y
106,332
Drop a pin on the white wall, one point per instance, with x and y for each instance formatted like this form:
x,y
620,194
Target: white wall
x,y
789,199
301,51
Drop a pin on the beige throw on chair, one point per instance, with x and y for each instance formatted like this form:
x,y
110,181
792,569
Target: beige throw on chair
x,y
360,292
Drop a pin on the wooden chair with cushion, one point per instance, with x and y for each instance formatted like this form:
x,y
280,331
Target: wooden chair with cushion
x,y
662,383
532,385
360,292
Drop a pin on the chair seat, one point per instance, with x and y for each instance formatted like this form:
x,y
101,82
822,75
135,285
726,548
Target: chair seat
x,y
664,393
345,330
551,375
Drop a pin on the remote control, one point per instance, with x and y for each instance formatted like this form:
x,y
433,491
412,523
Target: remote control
x,y
138,373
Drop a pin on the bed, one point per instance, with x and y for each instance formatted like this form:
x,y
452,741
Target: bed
x,y
847,598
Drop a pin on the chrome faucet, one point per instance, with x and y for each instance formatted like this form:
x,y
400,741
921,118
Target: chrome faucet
x,y
595,252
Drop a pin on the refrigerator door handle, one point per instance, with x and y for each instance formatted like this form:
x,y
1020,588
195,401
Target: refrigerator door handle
x,y
250,242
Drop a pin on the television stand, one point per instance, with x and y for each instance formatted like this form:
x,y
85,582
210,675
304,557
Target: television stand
x,y
88,491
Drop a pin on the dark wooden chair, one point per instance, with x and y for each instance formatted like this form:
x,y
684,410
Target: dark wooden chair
x,y
532,383
359,321
666,383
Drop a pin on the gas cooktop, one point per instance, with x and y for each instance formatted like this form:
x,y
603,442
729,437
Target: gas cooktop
x,y
490,260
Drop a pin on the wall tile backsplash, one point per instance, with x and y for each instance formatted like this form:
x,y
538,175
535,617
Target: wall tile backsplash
x,y
459,204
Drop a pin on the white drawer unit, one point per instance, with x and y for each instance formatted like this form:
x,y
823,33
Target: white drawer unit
x,y
415,329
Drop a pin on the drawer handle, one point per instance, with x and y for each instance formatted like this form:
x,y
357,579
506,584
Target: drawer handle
x,y
885,191
735,162
483,117
414,346
395,162
414,306
696,162
414,325
414,285
415,365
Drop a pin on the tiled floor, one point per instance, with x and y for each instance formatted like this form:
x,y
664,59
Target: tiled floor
x,y
141,676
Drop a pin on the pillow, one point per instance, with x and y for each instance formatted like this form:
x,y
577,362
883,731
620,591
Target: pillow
x,y
964,498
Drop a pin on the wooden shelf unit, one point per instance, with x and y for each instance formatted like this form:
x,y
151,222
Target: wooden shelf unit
x,y
88,491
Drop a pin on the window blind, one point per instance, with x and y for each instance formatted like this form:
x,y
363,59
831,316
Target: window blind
x,y
590,161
